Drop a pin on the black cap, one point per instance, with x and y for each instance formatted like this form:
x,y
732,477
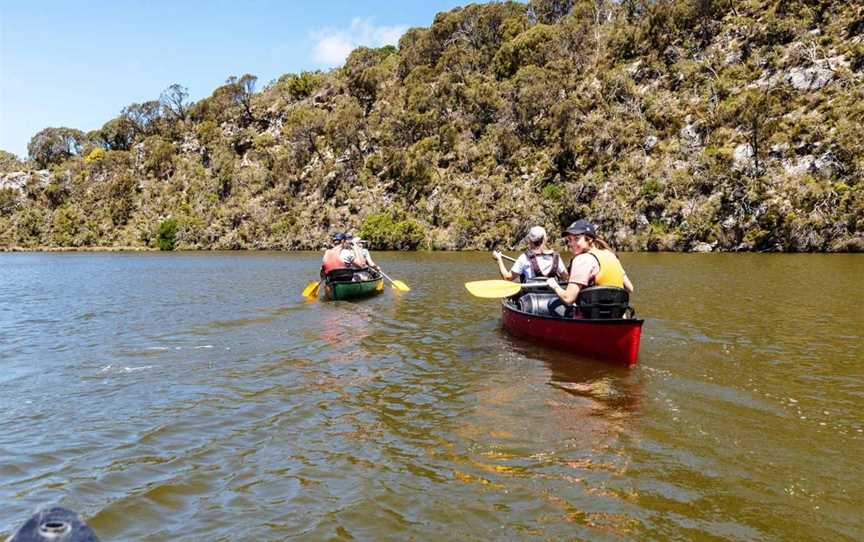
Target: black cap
x,y
339,236
581,227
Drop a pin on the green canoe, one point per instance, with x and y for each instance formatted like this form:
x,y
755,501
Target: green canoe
x,y
352,284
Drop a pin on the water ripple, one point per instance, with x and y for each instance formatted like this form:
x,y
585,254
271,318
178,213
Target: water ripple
x,y
211,402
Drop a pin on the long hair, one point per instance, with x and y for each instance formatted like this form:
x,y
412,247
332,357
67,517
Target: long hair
x,y
600,243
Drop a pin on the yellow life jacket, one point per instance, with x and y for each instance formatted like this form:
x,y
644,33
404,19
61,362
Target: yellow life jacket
x,y
611,273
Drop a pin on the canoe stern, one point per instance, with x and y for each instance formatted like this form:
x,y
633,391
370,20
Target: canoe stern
x,y
616,341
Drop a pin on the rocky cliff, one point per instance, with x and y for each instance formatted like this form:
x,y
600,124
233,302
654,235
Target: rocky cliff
x,y
673,124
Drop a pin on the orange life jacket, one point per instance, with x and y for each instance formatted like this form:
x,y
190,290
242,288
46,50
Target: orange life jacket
x,y
332,260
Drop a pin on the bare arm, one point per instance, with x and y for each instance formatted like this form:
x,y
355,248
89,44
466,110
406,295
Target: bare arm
x,y
505,273
359,260
568,295
627,284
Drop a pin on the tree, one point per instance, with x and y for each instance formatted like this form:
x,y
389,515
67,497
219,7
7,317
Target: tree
x,y
55,145
158,157
9,162
120,193
302,85
240,92
116,134
303,125
364,74
534,47
757,111
173,99
534,92
143,117
549,11
343,126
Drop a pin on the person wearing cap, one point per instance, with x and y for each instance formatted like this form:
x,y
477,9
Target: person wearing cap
x,y
537,262
333,258
594,263
363,252
352,253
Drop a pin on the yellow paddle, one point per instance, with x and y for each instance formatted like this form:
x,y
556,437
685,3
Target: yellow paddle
x,y
496,289
311,289
397,284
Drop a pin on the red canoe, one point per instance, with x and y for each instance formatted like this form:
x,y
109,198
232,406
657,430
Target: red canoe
x,y
612,340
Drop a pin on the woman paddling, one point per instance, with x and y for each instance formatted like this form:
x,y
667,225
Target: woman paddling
x,y
594,263
537,262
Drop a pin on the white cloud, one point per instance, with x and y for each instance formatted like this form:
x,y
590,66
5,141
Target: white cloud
x,y
333,45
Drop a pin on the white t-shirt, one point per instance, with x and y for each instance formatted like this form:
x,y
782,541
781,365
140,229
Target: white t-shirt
x,y
544,261
584,268
347,255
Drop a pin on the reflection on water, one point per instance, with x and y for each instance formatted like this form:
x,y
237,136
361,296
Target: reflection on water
x,y
198,396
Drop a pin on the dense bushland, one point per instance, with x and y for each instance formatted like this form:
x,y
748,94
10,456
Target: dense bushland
x,y
673,124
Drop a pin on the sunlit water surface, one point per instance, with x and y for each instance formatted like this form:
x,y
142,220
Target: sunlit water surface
x,y
199,397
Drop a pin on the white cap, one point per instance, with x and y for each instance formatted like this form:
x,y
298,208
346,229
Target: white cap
x,y
536,234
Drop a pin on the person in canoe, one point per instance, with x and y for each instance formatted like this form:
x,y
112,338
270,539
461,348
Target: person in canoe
x,y
363,252
594,263
353,254
361,259
537,262
334,257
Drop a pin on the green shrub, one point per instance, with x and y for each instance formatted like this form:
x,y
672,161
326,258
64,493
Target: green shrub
x,y
553,192
650,189
8,199
386,232
66,225
159,157
166,237
207,132
302,85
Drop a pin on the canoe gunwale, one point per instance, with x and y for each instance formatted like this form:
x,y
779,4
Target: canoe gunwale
x,y
509,305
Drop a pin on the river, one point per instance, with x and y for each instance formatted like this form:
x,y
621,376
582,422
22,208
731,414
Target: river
x,y
197,396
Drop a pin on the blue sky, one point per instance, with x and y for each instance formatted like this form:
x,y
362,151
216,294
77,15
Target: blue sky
x,y
77,64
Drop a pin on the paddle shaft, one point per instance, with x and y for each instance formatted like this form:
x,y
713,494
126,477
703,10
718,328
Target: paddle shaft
x,y
385,274
399,286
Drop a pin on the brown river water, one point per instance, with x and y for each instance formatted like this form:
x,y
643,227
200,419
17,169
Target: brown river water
x,y
197,396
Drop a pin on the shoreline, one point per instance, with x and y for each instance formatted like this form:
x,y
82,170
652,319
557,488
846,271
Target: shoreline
x,y
148,249
78,249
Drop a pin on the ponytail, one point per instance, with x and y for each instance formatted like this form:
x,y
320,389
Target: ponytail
x,y
600,243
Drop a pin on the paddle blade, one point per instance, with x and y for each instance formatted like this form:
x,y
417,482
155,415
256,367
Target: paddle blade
x,y
492,289
311,289
401,286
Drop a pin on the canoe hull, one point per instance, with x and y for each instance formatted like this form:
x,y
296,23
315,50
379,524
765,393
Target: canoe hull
x,y
614,341
353,290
